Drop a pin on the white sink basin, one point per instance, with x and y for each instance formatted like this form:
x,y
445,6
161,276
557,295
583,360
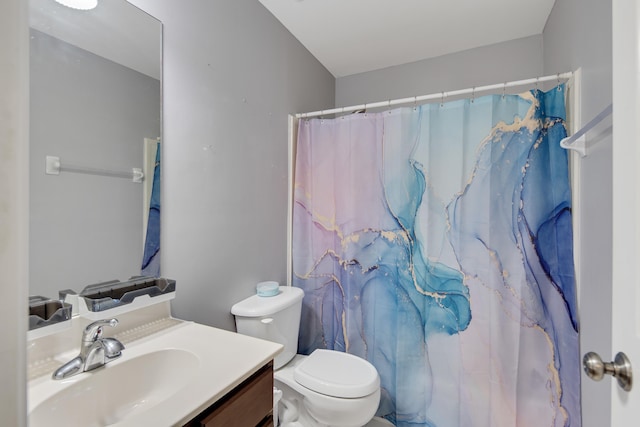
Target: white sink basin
x,y
110,394
165,379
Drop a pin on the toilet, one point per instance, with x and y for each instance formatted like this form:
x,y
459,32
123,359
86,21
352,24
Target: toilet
x,y
325,389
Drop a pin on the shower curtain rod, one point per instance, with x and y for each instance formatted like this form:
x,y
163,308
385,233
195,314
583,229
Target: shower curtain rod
x,y
434,96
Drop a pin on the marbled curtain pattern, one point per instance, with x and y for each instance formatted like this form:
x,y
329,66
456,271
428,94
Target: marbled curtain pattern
x,y
151,254
436,243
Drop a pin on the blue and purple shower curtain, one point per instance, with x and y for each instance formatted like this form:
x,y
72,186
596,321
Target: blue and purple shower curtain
x,y
436,242
151,254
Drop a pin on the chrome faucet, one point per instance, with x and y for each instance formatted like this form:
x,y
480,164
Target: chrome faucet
x,y
95,351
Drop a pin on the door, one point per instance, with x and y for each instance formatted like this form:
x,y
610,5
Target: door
x,y
625,406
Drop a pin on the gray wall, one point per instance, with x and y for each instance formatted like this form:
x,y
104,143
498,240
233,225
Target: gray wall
x,y
91,112
187,74
14,208
579,34
512,60
232,74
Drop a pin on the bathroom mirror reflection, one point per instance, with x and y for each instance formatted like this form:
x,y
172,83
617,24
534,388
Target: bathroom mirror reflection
x,y
95,97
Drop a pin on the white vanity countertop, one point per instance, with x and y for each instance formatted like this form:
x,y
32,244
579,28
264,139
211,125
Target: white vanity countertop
x,y
222,361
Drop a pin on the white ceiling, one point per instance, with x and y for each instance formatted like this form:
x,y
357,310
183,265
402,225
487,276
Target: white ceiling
x,y
355,36
115,29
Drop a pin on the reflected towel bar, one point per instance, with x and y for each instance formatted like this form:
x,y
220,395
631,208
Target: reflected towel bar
x,y
578,141
54,167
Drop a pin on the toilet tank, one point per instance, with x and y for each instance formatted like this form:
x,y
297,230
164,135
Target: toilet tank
x,y
275,318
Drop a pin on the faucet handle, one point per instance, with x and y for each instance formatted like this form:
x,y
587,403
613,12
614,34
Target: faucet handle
x,y
93,331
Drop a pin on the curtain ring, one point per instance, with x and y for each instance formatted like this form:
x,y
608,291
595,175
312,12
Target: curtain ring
x,y
442,99
365,109
558,85
415,103
342,113
389,106
473,94
504,89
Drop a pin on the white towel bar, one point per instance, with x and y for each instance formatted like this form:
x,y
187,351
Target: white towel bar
x,y
578,141
54,167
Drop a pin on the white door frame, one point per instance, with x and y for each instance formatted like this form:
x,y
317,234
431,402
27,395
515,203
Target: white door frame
x,y
625,407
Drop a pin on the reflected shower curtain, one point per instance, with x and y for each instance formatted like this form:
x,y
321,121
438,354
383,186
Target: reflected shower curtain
x,y
151,254
436,243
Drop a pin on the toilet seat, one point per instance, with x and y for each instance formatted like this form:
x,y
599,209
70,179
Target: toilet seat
x,y
337,374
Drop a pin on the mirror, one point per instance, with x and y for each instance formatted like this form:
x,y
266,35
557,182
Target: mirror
x,y
94,99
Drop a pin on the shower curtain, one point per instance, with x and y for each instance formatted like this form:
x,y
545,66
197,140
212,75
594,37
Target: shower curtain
x,y
151,254
436,242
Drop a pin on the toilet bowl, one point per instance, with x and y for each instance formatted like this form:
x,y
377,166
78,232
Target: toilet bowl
x,y
313,394
326,388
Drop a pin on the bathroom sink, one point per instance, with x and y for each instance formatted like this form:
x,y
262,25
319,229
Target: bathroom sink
x,y
117,391
165,378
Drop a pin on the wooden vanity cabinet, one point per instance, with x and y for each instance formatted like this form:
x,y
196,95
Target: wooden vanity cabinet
x,y
250,404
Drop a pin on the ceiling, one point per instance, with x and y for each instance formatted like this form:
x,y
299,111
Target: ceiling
x,y
116,30
355,36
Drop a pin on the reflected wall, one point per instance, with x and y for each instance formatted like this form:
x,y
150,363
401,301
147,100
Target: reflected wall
x,y
94,112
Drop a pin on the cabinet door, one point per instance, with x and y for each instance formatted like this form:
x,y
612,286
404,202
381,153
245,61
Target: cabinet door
x,y
248,405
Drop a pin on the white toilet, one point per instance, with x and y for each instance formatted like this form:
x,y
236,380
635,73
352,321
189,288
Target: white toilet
x,y
326,388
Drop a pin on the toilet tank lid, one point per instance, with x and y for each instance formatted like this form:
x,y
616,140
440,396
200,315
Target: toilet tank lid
x,y
337,374
257,306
